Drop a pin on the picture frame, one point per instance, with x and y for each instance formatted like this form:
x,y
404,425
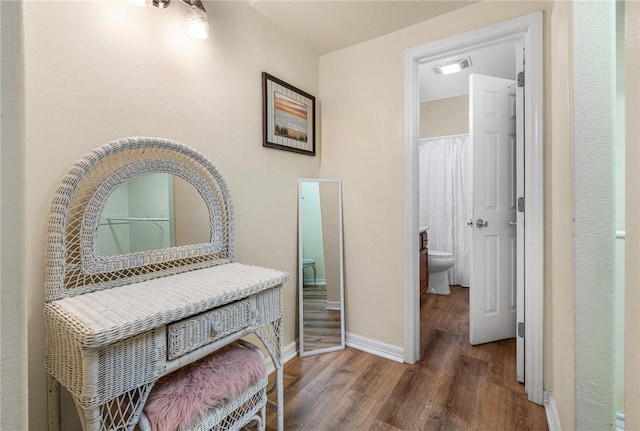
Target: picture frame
x,y
289,117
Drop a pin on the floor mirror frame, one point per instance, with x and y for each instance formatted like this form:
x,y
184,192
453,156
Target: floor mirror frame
x,y
307,264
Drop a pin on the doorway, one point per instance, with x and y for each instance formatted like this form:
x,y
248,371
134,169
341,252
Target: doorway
x,y
468,178
468,185
528,31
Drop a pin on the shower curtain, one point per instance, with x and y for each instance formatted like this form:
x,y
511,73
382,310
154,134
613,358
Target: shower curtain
x,y
446,199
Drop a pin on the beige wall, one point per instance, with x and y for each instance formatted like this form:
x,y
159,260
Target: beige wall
x,y
632,285
330,204
97,71
361,88
13,310
444,117
559,304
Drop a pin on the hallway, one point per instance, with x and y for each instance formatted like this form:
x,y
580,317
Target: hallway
x,y
455,386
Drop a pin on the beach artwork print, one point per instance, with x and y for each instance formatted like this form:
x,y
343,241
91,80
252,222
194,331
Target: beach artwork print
x,y
290,118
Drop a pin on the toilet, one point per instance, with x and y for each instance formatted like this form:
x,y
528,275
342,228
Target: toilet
x,y
439,264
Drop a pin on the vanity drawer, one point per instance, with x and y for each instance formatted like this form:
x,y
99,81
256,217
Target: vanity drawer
x,y
190,334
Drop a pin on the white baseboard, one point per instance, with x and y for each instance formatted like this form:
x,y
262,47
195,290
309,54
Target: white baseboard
x,y
377,348
289,352
318,282
553,420
620,421
334,305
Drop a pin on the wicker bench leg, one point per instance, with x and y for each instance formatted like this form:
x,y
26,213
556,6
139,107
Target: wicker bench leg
x,y
257,423
263,413
53,403
269,335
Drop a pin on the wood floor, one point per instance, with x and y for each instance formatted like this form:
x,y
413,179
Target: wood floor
x,y
321,326
454,386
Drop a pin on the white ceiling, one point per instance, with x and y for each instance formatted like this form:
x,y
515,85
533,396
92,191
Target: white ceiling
x,y
497,60
328,25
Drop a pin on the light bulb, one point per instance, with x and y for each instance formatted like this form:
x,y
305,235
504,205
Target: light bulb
x,y
451,68
161,4
196,23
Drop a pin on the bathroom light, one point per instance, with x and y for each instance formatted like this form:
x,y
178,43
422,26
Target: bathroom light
x,y
196,23
162,4
450,68
453,66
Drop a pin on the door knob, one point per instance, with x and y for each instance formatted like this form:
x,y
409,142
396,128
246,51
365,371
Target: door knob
x,y
482,223
512,224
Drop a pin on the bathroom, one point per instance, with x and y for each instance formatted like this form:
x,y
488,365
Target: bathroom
x,y
445,160
471,177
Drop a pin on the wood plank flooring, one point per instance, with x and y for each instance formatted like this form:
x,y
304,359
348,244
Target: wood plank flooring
x,y
321,326
455,386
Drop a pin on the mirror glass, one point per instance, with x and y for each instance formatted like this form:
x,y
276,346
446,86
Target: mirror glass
x,y
152,211
320,266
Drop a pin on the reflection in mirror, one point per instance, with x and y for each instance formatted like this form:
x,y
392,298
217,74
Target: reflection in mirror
x,y
152,211
320,270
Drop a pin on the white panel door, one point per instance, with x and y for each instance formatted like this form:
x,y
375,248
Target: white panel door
x,y
493,301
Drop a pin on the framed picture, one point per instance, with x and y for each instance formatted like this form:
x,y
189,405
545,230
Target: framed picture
x,y
289,117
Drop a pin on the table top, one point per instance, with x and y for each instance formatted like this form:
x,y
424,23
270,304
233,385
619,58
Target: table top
x,y
102,317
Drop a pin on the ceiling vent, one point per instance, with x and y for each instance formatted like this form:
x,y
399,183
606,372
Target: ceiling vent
x,y
453,66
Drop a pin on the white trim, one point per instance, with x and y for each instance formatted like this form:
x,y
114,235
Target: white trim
x,y
411,240
529,29
553,420
289,352
534,227
333,305
374,347
319,282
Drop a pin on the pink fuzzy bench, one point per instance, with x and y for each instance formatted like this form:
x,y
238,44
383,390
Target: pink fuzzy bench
x,y
225,390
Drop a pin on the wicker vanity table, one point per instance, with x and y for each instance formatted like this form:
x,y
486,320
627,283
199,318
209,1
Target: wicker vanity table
x,y
116,324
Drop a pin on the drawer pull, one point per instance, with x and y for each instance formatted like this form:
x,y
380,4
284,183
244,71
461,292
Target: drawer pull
x,y
216,327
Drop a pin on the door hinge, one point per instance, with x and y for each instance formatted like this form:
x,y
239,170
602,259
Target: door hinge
x,y
521,329
521,204
521,79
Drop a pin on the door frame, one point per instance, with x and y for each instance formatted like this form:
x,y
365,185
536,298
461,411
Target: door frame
x,y
529,29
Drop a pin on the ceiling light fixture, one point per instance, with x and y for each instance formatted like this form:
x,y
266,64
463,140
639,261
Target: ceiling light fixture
x,y
453,66
161,4
196,23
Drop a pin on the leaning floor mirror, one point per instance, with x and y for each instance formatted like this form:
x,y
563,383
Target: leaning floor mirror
x,y
320,266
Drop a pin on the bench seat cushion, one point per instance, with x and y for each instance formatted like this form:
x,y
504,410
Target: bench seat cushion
x,y
181,399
